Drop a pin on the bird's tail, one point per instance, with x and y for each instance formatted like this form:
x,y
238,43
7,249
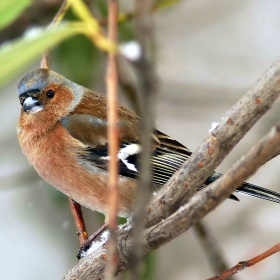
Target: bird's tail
x,y
250,189
259,192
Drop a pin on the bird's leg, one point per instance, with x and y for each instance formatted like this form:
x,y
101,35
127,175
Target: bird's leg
x,y
87,243
79,220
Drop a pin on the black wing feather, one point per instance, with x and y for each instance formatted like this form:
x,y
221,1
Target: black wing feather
x,y
164,162
167,158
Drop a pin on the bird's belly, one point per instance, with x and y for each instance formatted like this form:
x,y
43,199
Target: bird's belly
x,y
88,189
56,163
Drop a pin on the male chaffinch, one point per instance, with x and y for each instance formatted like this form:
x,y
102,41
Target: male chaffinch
x,y
62,130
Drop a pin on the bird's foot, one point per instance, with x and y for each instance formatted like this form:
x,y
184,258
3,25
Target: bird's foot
x,y
86,245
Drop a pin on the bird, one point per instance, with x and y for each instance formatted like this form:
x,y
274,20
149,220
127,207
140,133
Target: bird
x,y
62,130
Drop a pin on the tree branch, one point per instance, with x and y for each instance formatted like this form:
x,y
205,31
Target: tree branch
x,y
233,126
208,199
163,223
245,264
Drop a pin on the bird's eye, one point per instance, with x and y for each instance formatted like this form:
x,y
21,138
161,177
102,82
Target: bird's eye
x,y
50,93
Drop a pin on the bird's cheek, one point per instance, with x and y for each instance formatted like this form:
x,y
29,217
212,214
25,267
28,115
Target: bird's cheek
x,y
59,109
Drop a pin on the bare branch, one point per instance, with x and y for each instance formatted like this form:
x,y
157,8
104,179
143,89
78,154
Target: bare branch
x,y
148,87
245,264
233,126
238,120
206,200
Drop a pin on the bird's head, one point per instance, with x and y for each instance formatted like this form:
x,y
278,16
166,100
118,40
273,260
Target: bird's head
x,y
44,91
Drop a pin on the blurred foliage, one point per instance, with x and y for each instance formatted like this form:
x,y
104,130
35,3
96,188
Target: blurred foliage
x,y
79,60
10,10
150,266
21,53
101,7
75,45
126,31
18,54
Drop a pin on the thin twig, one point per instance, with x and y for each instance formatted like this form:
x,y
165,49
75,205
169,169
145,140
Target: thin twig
x,y
128,82
46,56
60,14
211,248
159,5
148,86
245,264
46,60
113,136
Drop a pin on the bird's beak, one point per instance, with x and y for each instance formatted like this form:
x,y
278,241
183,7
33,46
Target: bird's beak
x,y
32,105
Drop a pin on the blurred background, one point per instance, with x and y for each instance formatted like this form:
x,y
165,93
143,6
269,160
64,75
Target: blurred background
x,y
209,53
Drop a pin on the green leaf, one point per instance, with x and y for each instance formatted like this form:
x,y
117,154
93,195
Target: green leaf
x,y
18,54
11,9
96,33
